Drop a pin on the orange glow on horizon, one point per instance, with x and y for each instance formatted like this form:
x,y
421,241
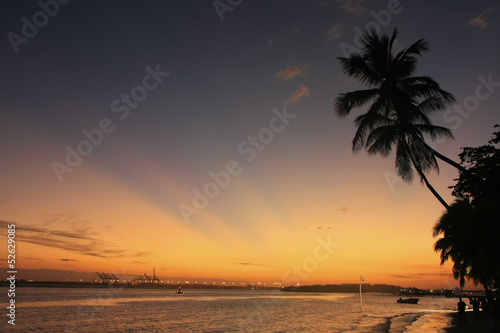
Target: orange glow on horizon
x,y
265,230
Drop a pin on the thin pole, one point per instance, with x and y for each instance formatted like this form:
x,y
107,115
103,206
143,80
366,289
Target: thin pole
x,y
360,296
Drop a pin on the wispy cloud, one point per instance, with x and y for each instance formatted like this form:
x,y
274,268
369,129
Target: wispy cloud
x,y
348,210
323,227
355,7
342,210
250,264
434,274
298,95
398,276
335,32
288,73
78,241
64,259
142,254
62,218
283,36
418,275
71,220
480,21
31,258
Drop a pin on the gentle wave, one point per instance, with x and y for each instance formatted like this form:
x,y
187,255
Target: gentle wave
x,y
159,310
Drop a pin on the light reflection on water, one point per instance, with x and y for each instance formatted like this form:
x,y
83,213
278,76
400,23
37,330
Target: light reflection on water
x,y
160,310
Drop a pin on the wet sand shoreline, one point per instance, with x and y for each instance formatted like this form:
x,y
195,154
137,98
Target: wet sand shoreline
x,y
441,322
447,322
484,323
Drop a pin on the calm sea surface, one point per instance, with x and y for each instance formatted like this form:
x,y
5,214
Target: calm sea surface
x,y
160,310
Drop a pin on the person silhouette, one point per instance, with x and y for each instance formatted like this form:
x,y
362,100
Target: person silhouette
x,y
475,306
461,310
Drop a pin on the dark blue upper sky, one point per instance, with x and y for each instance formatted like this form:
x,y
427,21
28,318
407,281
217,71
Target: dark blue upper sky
x,y
222,81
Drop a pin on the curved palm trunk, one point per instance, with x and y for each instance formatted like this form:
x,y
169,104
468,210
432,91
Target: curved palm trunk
x,y
424,178
429,186
449,161
443,158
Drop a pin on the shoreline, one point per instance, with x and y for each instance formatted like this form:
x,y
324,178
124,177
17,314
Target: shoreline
x,y
442,322
484,323
400,323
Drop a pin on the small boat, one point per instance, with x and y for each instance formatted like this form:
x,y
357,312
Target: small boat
x,y
179,291
408,300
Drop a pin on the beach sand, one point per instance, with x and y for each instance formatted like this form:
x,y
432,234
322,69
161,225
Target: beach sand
x,y
483,324
447,322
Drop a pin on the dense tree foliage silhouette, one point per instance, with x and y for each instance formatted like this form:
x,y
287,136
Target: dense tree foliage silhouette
x,y
470,229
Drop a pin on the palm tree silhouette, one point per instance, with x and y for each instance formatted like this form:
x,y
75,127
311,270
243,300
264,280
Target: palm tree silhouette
x,y
400,109
462,229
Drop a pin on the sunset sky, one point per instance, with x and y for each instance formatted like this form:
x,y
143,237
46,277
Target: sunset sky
x,y
177,93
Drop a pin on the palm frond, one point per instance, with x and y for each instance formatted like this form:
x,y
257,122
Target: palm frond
x,y
381,140
417,48
416,84
367,122
434,131
345,103
432,104
422,156
356,66
403,163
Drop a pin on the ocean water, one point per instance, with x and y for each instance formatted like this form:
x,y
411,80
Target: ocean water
x,y
215,310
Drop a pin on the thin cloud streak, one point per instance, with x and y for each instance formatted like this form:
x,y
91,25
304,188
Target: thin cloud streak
x,y
303,91
64,240
418,275
334,33
355,7
250,264
142,254
480,21
288,73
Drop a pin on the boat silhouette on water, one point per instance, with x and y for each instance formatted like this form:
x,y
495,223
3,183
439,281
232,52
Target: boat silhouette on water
x,y
408,300
179,291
